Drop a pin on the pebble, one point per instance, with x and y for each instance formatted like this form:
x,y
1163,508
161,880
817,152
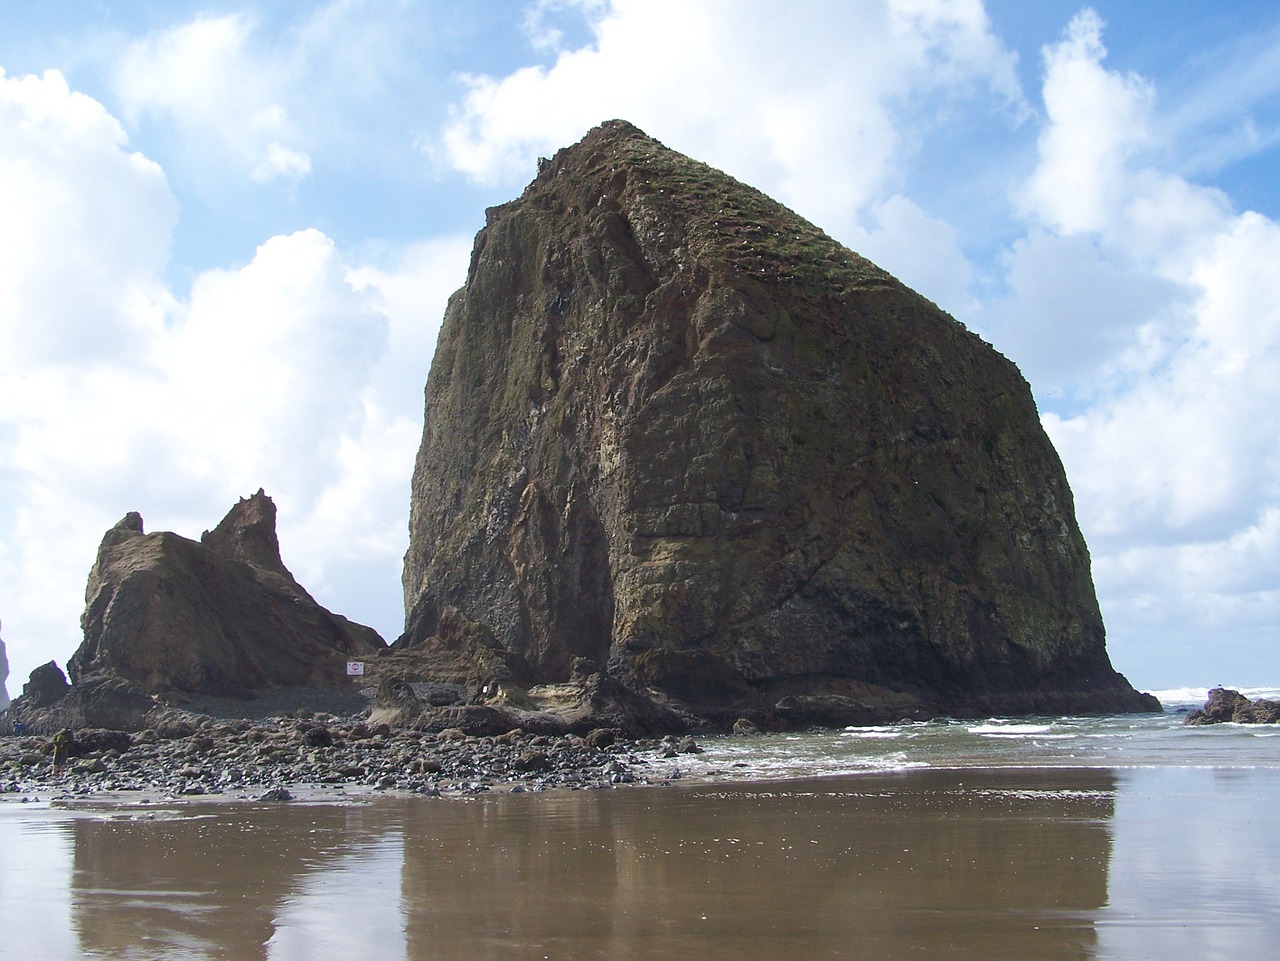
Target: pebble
x,y
261,759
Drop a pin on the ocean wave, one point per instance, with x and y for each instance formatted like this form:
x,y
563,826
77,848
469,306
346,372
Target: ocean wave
x,y
872,735
1000,727
1190,697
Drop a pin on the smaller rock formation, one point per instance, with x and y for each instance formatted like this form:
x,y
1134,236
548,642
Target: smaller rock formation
x,y
1225,705
223,617
4,676
48,703
46,685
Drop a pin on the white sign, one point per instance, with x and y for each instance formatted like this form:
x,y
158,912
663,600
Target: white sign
x,y
355,668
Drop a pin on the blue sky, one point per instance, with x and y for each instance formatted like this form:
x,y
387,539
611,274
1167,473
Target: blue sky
x,y
228,231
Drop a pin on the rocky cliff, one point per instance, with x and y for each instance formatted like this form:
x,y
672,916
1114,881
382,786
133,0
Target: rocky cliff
x,y
675,430
4,676
221,617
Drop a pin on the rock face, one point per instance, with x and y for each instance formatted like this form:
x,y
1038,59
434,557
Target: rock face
x,y
4,676
674,429
221,617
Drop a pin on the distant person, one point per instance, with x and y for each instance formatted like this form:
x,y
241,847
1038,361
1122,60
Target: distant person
x,y
61,751
19,728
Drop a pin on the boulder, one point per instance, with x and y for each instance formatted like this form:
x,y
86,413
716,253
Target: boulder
x,y
676,431
45,685
395,702
96,740
221,617
470,720
1227,706
107,701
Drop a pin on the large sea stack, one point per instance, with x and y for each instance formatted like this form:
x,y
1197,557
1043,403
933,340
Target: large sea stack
x,y
222,617
677,433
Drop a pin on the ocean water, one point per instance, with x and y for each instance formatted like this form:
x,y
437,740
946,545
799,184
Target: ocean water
x,y
1099,839
1115,741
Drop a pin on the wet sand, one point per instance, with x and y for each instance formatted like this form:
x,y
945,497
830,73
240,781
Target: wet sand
x,y
1066,863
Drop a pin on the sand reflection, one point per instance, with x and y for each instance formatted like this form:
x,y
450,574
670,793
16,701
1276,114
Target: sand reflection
x,y
968,864
204,883
1000,866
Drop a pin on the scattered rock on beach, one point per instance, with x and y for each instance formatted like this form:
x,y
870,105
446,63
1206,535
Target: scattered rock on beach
x,y
278,758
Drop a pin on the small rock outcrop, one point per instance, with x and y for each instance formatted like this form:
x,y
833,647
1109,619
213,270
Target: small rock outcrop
x,y
395,703
221,617
675,430
48,703
45,685
1227,706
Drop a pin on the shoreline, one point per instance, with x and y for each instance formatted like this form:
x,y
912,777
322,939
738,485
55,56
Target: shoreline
x,y
317,757
322,758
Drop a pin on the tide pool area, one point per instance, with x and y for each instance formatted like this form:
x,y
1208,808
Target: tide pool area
x,y
1091,838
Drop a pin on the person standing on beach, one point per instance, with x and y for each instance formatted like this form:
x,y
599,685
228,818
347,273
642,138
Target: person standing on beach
x,y
61,750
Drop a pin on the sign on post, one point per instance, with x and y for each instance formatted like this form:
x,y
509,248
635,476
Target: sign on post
x,y
355,668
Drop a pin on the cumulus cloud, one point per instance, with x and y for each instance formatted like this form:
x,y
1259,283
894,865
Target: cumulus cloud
x,y
298,370
206,79
819,131
1098,120
1167,305
924,252
86,220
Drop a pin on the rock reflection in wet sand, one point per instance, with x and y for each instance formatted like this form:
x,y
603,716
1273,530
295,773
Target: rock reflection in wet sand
x,y
206,882
1000,866
973,864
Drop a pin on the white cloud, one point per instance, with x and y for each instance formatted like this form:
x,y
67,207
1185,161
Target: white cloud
x,y
540,19
412,291
798,100
86,224
1077,318
1094,174
1166,306
1098,120
206,79
921,251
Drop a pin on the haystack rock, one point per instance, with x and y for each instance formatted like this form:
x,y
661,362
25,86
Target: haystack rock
x,y
676,430
221,617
